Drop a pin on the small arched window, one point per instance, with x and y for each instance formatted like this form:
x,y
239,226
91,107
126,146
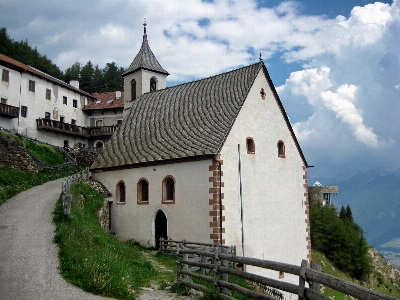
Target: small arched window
x,y
133,89
251,148
153,84
281,149
168,190
121,192
143,191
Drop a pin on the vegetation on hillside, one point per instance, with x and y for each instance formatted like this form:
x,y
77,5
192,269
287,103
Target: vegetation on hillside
x,y
381,279
13,182
95,260
340,239
46,153
24,53
91,78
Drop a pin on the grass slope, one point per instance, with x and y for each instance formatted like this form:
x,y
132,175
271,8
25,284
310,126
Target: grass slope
x,y
379,280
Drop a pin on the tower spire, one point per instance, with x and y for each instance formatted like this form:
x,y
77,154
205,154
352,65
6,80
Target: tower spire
x,y
144,25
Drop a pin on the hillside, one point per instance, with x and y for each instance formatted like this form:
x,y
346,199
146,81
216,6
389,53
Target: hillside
x,y
384,279
374,197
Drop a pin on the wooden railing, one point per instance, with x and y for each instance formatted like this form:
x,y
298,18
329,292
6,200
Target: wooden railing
x,y
173,246
54,125
66,196
218,261
9,111
103,130
62,127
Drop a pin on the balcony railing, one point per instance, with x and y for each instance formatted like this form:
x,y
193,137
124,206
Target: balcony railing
x,y
103,130
9,111
74,129
62,127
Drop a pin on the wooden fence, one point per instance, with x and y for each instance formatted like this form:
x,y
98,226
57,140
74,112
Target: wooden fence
x,y
66,196
172,246
218,263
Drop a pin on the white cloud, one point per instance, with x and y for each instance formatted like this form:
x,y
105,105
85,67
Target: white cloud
x,y
345,97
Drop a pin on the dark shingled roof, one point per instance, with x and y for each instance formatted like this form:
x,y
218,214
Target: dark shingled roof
x,y
145,59
190,120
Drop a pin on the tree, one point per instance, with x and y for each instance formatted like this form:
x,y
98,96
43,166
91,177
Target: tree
x,y
349,214
98,80
340,239
86,78
113,77
73,72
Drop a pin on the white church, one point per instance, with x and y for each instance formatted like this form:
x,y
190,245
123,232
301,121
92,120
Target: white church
x,y
214,160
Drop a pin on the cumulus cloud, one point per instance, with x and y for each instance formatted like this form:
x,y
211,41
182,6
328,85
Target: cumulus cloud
x,y
343,95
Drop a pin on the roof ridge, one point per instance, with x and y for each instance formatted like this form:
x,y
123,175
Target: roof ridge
x,y
209,77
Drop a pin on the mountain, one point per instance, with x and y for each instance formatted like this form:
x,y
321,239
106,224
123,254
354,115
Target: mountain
x,y
374,198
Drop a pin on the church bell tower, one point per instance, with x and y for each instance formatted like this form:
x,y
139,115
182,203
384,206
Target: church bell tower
x,y
144,75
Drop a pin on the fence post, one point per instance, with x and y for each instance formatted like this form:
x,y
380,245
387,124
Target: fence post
x,y
215,269
178,265
203,260
315,286
224,276
302,280
184,265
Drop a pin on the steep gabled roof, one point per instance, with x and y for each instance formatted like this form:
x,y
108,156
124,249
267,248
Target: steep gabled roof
x,y
21,67
145,59
190,120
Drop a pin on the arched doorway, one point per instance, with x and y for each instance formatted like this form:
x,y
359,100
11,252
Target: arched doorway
x,y
161,227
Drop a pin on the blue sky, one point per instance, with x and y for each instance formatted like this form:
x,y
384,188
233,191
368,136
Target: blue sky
x,y
335,64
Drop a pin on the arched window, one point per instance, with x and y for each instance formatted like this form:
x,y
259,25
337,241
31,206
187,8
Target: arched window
x,y
281,149
99,145
153,84
143,191
251,147
133,89
168,190
120,192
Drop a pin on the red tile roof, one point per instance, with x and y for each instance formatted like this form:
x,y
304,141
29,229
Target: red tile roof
x,y
106,100
17,65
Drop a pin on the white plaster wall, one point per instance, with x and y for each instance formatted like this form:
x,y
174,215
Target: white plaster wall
x,y
142,78
10,91
187,219
273,192
38,105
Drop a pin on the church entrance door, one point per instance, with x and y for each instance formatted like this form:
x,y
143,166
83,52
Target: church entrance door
x,y
161,227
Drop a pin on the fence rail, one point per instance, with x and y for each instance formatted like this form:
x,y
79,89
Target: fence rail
x,y
216,260
66,196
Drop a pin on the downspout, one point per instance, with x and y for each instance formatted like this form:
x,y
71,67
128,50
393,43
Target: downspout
x,y
240,196
220,198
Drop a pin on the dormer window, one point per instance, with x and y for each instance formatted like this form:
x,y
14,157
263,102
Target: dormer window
x,y
153,84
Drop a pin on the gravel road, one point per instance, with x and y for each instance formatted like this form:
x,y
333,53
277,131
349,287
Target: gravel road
x,y
28,257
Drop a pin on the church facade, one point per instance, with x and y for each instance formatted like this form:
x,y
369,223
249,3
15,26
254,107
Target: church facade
x,y
213,160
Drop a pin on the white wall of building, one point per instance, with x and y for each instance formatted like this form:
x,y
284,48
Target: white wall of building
x,y
17,93
273,189
187,219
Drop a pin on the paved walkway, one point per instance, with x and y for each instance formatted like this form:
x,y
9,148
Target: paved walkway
x,y
28,257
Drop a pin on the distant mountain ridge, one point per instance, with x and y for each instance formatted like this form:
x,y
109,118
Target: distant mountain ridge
x,y
374,197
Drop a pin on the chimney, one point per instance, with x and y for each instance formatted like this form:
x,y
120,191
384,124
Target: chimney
x,y
74,83
118,94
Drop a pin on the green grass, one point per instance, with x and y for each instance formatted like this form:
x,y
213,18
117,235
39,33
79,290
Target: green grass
x,y
376,281
46,153
94,260
13,182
